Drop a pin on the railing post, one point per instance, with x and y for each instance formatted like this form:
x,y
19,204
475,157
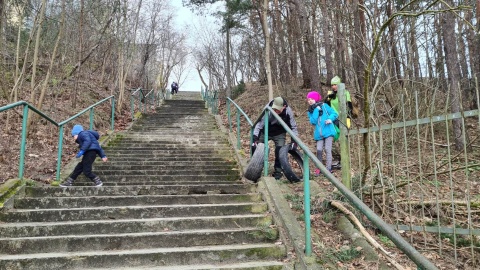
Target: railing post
x,y
229,116
251,140
23,142
306,203
238,129
132,105
113,113
60,147
91,118
344,151
265,157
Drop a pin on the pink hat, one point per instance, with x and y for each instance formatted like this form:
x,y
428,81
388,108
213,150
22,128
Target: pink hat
x,y
314,95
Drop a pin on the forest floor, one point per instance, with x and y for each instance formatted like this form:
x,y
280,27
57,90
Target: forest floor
x,y
333,249
42,139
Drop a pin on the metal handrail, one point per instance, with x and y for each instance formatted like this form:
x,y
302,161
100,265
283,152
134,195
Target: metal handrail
x,y
143,106
212,100
239,111
401,243
27,106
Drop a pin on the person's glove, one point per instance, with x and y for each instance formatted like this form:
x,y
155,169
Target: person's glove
x,y
328,121
255,140
80,153
293,146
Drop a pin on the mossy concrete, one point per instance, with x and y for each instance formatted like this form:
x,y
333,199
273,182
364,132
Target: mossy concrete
x,y
7,191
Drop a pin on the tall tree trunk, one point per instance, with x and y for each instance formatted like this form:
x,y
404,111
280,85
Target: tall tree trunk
x,y
281,58
292,44
394,63
327,29
298,38
35,60
39,104
476,60
266,33
38,27
228,71
414,52
121,58
311,59
360,54
453,71
79,54
462,50
2,34
472,57
17,53
431,74
440,61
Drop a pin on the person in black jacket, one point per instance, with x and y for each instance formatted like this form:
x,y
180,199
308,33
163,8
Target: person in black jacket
x,y
89,149
276,132
174,87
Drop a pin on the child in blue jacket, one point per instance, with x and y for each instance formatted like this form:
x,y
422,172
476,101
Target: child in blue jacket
x,y
89,149
322,116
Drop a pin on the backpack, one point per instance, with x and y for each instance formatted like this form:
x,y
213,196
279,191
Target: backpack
x,y
336,124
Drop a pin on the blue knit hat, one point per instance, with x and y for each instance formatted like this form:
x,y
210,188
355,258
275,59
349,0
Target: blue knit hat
x,y
77,129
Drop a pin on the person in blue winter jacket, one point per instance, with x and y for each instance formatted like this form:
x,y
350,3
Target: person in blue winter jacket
x,y
89,149
322,116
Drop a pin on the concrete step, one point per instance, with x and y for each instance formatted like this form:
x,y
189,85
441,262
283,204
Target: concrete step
x,y
131,212
99,201
257,265
169,133
185,142
144,257
170,145
173,152
119,226
142,240
171,171
83,181
138,159
172,199
159,178
77,191
179,165
150,147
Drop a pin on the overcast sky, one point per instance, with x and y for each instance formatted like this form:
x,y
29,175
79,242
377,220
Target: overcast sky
x,y
185,17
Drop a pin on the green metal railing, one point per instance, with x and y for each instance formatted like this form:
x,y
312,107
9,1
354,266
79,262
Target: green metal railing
x,y
139,101
386,229
427,184
239,111
27,107
211,98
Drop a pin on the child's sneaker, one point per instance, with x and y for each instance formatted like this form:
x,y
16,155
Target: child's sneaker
x,y
317,172
67,183
97,182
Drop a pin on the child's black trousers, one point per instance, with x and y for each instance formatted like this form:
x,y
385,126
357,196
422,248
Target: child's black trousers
x,y
85,165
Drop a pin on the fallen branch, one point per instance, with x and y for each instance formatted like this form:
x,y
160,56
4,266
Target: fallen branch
x,y
474,203
364,232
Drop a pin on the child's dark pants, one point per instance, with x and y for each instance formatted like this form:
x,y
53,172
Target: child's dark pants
x,y
85,165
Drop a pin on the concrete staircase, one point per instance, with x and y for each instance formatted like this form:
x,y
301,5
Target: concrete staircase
x,y
171,199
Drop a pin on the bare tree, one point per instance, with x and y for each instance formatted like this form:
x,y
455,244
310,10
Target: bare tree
x,y
453,71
